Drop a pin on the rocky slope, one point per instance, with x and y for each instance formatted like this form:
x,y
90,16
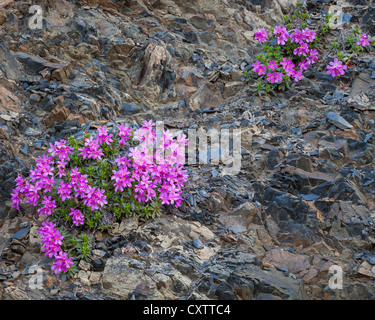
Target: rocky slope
x,y
302,201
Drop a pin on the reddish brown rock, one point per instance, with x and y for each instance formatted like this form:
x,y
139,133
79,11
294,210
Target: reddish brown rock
x,y
207,96
232,88
6,3
365,269
296,263
57,115
310,276
217,202
81,119
60,74
189,76
183,91
3,16
243,215
119,49
8,100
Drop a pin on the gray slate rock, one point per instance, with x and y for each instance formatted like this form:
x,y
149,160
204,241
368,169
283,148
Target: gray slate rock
x,y
8,65
338,121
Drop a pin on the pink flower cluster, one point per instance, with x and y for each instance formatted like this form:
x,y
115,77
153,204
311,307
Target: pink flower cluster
x,y
122,177
91,197
285,67
276,71
49,206
282,34
77,217
158,173
124,134
42,175
78,182
51,240
61,150
150,176
103,136
94,198
92,150
261,35
17,193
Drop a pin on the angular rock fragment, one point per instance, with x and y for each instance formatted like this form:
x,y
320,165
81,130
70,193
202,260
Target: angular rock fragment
x,y
338,121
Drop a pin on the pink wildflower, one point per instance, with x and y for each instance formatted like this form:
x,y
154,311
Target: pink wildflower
x,y
91,150
311,59
364,41
64,190
336,67
61,150
297,75
308,35
274,77
297,36
303,65
62,263
49,206
259,67
103,136
272,65
303,49
261,35
77,216
51,238
124,133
